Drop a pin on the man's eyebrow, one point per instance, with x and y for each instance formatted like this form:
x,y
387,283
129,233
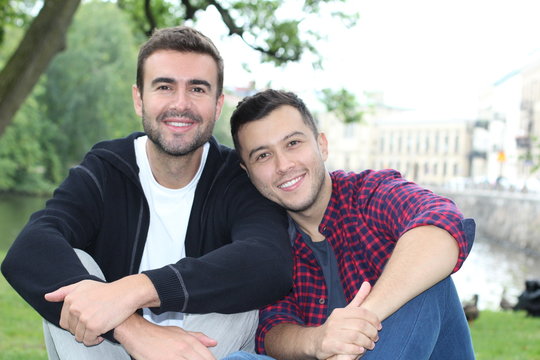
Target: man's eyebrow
x,y
200,82
166,80
286,137
169,80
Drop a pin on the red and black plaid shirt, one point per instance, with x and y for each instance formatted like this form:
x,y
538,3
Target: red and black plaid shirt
x,y
367,213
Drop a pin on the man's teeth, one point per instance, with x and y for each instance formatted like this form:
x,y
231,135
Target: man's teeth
x,y
290,183
178,124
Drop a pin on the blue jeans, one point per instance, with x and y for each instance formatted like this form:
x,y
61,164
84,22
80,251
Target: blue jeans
x,y
430,326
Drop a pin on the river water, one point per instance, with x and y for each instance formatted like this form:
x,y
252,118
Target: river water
x,y
492,268
489,269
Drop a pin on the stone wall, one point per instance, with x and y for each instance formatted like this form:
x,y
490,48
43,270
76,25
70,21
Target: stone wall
x,y
511,218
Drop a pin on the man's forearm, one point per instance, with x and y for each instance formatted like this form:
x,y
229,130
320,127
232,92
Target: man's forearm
x,y
423,256
290,341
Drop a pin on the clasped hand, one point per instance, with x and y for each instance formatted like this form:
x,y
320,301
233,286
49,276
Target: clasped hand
x,y
348,332
92,308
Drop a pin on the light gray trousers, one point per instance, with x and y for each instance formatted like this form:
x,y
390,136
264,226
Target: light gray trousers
x,y
233,332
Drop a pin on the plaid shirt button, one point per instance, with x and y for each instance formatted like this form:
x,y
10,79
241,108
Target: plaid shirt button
x,y
321,301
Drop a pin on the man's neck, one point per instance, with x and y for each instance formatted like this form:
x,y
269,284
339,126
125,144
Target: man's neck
x,y
310,219
173,172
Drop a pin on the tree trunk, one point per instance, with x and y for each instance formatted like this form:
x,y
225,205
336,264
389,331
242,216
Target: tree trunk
x,y
45,37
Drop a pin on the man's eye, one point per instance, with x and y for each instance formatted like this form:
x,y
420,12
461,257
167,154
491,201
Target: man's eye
x,y
262,156
294,142
199,90
164,87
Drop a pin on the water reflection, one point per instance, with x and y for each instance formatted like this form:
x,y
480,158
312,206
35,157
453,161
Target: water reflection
x,y
491,268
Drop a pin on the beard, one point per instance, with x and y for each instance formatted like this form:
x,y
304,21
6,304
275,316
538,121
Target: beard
x,y
180,145
313,196
306,203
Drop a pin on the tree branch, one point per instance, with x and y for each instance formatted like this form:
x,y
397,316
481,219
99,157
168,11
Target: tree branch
x,y
227,19
150,17
190,10
45,37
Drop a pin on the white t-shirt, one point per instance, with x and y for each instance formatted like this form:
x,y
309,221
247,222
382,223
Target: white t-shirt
x,y
169,216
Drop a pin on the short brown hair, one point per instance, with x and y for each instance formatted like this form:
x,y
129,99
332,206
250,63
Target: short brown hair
x,y
256,107
181,39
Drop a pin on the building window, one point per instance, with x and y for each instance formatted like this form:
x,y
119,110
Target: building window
x,y
456,169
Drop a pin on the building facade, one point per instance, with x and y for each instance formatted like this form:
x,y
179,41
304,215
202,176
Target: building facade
x,y
425,149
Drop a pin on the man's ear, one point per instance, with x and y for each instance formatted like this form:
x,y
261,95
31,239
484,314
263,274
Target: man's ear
x,y
244,167
323,145
219,106
137,100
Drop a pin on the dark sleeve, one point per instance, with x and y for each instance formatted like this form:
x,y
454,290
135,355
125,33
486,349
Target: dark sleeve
x,y
255,269
42,258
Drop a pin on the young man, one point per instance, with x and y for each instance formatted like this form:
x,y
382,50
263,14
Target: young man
x,y
346,229
170,219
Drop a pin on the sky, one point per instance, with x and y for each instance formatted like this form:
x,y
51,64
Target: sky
x,y
427,55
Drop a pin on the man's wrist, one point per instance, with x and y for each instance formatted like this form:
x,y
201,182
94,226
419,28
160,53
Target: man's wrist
x,y
122,333
142,291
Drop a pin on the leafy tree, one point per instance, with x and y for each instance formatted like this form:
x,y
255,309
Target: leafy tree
x,y
343,103
44,38
87,91
278,39
28,161
83,97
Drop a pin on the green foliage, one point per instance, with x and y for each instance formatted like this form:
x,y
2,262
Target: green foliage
x,y
14,13
84,97
85,94
265,25
88,87
162,13
27,161
343,103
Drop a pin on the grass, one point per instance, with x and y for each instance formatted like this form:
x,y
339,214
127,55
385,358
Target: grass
x,y
496,335
21,334
506,336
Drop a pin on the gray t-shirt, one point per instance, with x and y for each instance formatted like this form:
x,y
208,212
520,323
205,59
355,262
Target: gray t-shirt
x,y
326,258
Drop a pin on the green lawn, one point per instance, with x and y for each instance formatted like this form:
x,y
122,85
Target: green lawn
x,y
20,326
506,336
496,335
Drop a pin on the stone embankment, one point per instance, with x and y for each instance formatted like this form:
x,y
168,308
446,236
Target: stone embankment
x,y
505,217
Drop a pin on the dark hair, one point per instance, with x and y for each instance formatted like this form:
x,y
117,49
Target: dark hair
x,y
256,107
182,39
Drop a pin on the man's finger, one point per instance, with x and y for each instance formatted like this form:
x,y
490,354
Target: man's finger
x,y
361,295
203,339
60,294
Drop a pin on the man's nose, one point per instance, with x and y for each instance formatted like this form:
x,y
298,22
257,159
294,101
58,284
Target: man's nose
x,y
181,100
283,163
